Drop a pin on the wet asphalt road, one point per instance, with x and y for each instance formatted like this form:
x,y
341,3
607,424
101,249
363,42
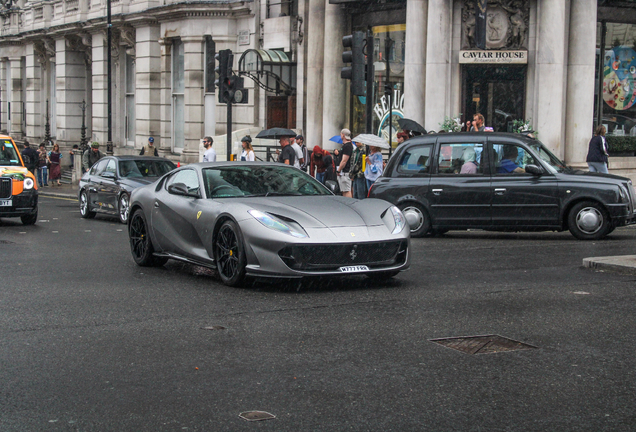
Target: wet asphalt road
x,y
91,342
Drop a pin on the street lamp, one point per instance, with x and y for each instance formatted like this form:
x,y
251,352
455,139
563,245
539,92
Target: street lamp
x,y
109,143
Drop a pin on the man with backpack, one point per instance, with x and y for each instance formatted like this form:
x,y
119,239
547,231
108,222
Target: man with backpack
x,y
30,157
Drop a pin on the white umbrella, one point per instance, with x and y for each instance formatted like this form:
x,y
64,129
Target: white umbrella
x,y
372,141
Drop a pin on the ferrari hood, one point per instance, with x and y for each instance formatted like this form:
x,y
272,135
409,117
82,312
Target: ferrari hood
x,y
322,211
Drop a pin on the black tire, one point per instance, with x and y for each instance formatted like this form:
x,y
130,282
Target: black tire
x,y
30,219
123,208
588,220
84,206
380,276
140,242
439,232
229,254
416,213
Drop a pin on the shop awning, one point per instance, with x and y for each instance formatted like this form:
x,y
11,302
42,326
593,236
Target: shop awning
x,y
270,69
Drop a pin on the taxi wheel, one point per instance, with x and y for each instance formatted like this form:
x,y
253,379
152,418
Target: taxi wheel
x,y
417,218
84,207
140,243
30,219
588,220
124,208
229,254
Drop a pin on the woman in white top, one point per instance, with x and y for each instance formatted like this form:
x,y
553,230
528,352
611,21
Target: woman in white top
x,y
248,151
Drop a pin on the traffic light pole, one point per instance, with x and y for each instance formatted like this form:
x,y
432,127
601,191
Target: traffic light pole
x,y
388,90
370,77
229,129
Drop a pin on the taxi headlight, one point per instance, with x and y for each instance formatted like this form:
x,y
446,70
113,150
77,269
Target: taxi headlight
x,y
28,183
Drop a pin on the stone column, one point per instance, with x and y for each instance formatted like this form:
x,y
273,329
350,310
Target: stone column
x,y
15,127
438,51
415,60
334,112
34,130
315,39
579,110
70,70
550,84
147,86
194,115
165,116
100,90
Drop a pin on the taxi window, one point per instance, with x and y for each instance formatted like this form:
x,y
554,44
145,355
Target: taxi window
x,y
415,161
460,158
511,159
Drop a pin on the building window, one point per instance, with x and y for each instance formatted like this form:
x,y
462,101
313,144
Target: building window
x,y
178,88
130,100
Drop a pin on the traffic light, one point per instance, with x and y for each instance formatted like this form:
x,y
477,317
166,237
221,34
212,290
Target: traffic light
x,y
356,72
224,71
235,90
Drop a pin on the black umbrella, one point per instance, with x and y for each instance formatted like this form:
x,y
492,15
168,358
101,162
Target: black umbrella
x,y
411,125
276,133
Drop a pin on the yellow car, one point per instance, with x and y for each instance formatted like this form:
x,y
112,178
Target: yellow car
x,y
18,188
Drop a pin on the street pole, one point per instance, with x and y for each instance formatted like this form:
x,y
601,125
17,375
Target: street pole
x,y
370,81
388,90
229,128
109,143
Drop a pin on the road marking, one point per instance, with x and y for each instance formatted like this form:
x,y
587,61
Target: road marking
x,y
59,198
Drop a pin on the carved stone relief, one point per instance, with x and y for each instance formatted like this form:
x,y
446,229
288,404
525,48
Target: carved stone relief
x,y
128,40
40,54
506,24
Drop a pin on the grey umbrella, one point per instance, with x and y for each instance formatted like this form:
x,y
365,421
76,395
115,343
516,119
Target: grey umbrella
x,y
372,140
276,133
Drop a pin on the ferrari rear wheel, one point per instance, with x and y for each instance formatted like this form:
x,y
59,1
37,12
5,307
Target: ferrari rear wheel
x,y
140,243
229,254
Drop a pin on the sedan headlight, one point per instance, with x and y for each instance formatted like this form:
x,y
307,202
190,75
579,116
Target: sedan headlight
x,y
400,220
28,183
274,223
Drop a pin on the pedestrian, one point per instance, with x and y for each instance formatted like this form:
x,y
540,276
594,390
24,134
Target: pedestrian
x,y
401,137
343,168
478,123
30,157
375,166
286,155
149,149
43,162
72,155
317,165
356,173
298,161
248,150
55,159
597,153
210,154
300,140
91,156
330,166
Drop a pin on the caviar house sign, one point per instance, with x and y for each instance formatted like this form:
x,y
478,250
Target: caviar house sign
x,y
491,56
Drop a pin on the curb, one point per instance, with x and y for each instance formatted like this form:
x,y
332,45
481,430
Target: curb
x,y
622,264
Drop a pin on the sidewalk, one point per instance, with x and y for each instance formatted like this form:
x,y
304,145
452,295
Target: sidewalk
x,y
64,191
621,264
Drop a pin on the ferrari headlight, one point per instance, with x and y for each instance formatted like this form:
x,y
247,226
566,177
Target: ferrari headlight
x,y
28,183
274,223
399,219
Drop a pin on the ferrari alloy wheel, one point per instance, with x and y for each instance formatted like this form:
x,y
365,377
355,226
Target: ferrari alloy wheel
x,y
140,243
588,220
84,207
229,254
417,218
124,208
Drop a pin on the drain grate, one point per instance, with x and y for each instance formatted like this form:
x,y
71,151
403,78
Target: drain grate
x,y
256,415
487,344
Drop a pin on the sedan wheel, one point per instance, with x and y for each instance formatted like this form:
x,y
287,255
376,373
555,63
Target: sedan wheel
x,y
229,254
588,221
140,243
417,218
84,207
124,208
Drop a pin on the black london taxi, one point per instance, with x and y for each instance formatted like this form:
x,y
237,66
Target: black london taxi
x,y
500,182
18,189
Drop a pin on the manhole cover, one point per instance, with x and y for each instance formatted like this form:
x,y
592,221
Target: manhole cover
x,y
217,327
256,415
482,344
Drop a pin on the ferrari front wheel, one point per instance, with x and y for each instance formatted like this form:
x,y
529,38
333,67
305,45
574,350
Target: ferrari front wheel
x,y
140,243
229,254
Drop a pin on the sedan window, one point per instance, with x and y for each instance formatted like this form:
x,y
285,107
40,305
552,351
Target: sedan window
x,y
111,167
99,167
416,160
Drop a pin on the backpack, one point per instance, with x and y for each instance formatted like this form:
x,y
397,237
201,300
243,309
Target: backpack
x,y
29,161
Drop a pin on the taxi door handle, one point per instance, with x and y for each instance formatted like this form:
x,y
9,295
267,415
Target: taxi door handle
x,y
500,191
437,191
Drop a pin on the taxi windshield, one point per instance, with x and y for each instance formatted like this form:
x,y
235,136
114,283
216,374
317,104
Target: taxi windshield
x,y
8,154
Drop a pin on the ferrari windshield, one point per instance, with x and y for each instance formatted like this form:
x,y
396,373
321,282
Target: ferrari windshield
x,y
259,180
144,168
8,154
549,158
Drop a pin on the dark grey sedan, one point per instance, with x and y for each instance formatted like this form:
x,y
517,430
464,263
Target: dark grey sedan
x,y
106,187
499,181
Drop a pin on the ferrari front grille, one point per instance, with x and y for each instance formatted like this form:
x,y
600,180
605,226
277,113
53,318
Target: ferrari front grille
x,y
325,257
5,188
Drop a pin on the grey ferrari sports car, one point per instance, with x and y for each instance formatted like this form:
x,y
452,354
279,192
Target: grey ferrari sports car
x,y
263,220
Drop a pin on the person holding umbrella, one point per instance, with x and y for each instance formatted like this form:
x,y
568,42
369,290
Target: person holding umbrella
x,y
287,155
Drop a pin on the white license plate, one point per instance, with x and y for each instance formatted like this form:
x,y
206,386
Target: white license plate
x,y
6,203
353,269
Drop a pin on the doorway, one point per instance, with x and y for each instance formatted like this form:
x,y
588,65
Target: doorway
x,y
281,112
498,92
